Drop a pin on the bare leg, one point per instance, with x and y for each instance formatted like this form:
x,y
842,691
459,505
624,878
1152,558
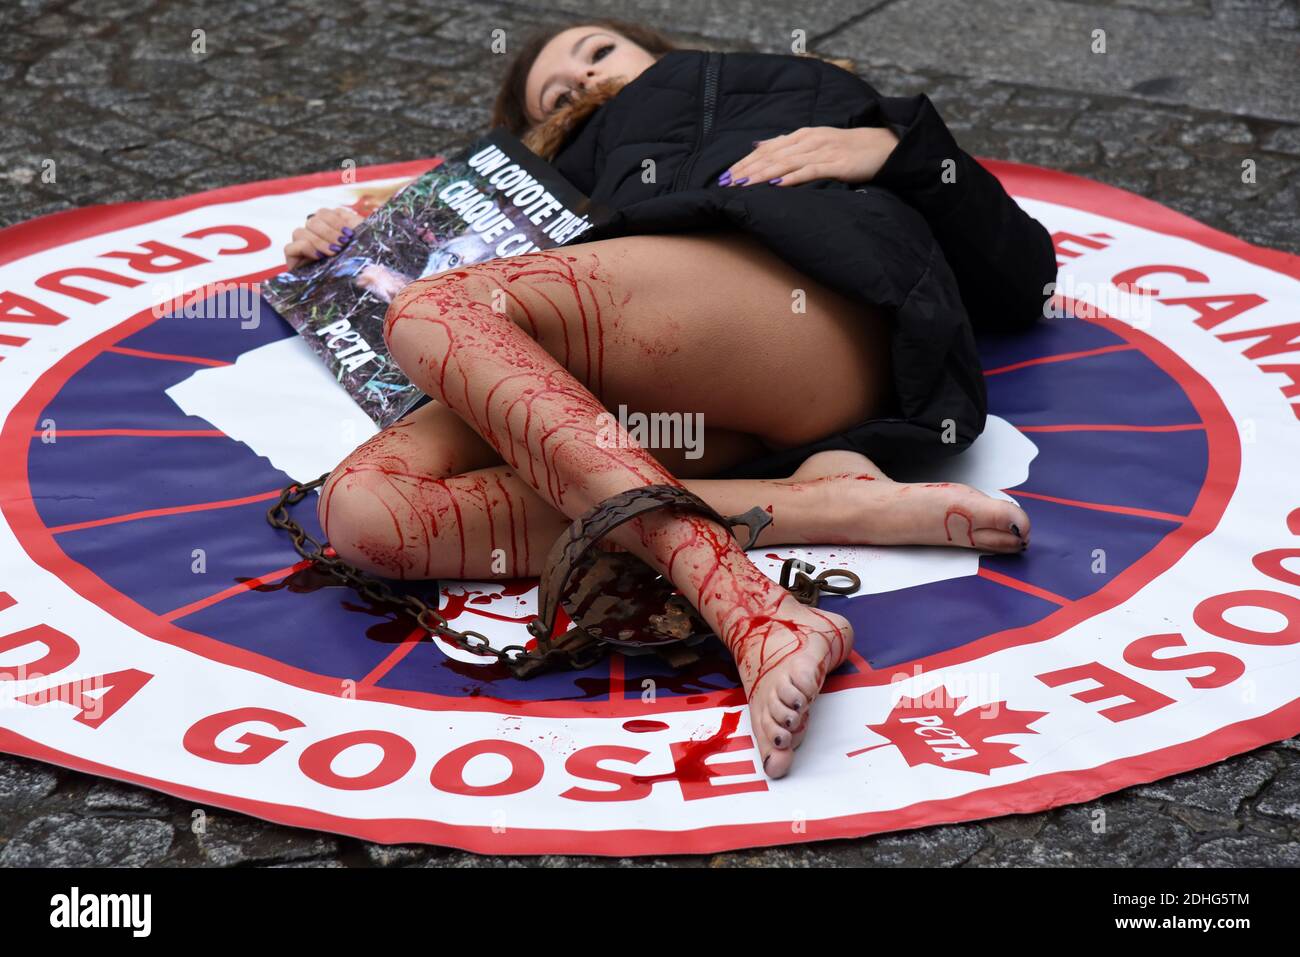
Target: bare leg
x,y
486,342
427,498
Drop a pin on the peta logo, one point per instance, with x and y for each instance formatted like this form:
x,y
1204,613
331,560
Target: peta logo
x,y
103,910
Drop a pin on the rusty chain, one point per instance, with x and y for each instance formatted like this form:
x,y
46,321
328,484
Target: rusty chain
x,y
575,648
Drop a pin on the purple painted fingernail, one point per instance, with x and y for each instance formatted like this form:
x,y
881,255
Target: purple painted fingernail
x,y
320,255
741,182
336,247
773,182
725,178
347,232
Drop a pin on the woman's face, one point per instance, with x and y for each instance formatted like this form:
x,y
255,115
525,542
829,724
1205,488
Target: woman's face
x,y
575,59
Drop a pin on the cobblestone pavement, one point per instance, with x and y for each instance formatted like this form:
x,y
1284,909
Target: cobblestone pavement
x,y
1187,90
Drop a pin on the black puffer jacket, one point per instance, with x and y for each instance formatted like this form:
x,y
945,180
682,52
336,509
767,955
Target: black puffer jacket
x,y
941,258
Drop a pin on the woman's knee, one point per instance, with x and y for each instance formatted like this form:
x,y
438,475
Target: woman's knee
x,y
417,308
419,326
352,502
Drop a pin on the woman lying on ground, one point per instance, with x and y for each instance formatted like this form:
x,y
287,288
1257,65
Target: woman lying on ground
x,y
793,256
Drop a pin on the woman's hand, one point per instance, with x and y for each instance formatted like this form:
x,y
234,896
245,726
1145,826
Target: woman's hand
x,y
326,232
814,152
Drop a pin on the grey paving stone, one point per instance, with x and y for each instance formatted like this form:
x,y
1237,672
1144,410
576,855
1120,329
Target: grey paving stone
x,y
1202,821
113,796
1132,833
1219,788
225,133
223,174
457,119
40,209
1285,139
327,863
433,52
1261,14
108,135
68,840
1222,178
23,783
110,9
1281,798
1133,181
1036,112
1056,152
151,74
1016,826
58,26
948,846
58,109
1216,131
462,859
1227,65
397,855
164,159
24,167
79,63
1130,122
12,135
1232,851
762,25
226,840
968,106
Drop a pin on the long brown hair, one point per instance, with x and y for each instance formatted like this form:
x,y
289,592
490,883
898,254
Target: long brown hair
x,y
509,110
547,138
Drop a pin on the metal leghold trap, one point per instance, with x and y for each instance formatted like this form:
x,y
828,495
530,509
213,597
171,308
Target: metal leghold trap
x,y
612,599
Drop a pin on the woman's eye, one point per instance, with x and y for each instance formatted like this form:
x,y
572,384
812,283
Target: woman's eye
x,y
602,52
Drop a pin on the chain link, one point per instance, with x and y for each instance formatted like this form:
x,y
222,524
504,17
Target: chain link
x,y
576,649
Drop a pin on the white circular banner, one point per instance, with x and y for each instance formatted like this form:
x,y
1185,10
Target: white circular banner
x,y
154,628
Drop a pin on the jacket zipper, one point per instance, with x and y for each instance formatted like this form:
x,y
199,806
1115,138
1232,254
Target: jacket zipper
x,y
710,102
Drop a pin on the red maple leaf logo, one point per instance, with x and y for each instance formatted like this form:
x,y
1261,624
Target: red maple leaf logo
x,y
930,732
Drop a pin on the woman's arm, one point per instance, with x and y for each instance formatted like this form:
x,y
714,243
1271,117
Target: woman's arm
x,y
1002,257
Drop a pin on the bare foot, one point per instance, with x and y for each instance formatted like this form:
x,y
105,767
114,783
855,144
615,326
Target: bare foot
x,y
863,506
784,654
